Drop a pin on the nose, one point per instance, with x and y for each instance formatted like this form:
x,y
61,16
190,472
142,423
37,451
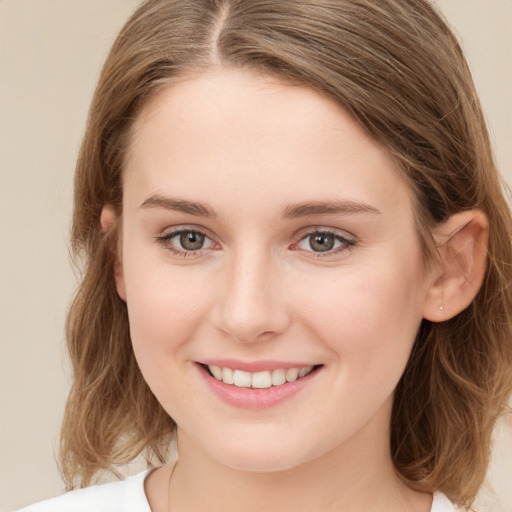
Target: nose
x,y
251,306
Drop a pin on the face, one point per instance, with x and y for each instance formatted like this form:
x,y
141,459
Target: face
x,y
271,269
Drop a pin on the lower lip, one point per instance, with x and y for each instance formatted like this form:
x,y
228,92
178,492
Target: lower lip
x,y
251,398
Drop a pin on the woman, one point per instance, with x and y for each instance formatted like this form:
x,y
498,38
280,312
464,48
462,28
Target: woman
x,y
297,256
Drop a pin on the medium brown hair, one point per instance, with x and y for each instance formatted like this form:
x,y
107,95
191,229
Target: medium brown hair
x,y
398,69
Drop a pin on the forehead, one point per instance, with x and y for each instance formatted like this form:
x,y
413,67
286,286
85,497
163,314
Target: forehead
x,y
256,138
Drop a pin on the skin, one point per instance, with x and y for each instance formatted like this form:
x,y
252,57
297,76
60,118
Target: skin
x,y
257,290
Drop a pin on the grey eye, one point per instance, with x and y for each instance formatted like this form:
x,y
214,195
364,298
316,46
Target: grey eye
x,y
321,242
330,242
191,240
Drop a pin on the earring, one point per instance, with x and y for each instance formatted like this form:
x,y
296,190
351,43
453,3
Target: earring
x,y
441,307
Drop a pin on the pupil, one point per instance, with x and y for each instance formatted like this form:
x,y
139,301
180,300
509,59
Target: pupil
x,y
191,241
322,242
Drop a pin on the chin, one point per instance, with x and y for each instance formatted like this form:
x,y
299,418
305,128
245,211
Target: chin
x,y
261,462
258,454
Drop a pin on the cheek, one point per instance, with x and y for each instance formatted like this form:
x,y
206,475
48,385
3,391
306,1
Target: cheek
x,y
166,311
165,306
369,319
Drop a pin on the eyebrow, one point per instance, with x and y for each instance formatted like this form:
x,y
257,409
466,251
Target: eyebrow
x,y
336,207
179,205
292,211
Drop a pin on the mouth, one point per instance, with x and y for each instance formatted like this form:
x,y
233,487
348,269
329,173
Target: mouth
x,y
259,380
256,385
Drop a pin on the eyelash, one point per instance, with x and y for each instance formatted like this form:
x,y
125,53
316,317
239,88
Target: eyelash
x,y
346,243
165,241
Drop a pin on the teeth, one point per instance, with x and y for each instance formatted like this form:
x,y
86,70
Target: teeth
x,y
242,379
292,374
302,372
278,377
227,375
216,371
259,380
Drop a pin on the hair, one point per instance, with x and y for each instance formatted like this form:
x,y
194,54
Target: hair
x,y
398,69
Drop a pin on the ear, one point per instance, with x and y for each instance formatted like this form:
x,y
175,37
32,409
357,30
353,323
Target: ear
x,y
462,246
109,222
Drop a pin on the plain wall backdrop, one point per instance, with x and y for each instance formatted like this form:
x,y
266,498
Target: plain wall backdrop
x,y
51,52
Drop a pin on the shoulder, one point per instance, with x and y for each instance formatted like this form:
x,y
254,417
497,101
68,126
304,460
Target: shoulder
x,y
442,504
124,496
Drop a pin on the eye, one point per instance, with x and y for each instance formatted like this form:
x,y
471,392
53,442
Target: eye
x,y
321,242
185,242
191,240
326,242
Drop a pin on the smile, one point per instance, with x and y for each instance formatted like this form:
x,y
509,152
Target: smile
x,y
258,380
256,385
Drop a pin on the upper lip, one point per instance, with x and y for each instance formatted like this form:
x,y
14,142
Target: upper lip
x,y
255,366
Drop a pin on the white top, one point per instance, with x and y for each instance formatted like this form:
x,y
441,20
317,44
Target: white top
x,y
129,496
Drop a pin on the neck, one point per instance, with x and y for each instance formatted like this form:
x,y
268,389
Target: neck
x,y
357,476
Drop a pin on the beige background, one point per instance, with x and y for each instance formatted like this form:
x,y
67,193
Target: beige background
x,y
50,55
